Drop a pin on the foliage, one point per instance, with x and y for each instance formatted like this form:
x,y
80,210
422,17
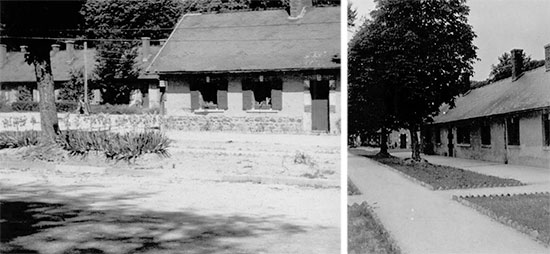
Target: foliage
x,y
17,139
24,94
122,109
115,146
32,106
73,89
366,234
416,55
352,189
503,69
4,104
445,177
352,15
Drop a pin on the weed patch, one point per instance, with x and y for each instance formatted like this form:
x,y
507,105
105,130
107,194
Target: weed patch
x,y
366,234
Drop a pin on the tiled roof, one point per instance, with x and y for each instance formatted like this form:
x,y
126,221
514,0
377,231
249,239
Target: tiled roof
x,y
252,41
17,70
530,91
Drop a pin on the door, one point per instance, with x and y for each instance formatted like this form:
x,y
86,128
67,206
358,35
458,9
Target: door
x,y
450,142
403,139
319,105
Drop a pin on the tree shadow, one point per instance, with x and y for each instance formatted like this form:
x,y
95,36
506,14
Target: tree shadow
x,y
40,221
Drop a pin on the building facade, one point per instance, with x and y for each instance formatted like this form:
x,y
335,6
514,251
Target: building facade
x,y
254,66
507,121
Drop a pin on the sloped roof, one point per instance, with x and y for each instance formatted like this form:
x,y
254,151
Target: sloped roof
x,y
17,70
530,91
252,41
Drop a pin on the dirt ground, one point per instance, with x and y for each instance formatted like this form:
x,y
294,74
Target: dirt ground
x,y
217,193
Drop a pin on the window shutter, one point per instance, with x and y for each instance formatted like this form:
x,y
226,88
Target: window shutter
x,y
194,97
277,95
247,95
277,99
222,99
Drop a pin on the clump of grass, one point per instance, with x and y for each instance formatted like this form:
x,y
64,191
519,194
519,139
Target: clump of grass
x,y
352,189
115,146
303,158
17,139
366,234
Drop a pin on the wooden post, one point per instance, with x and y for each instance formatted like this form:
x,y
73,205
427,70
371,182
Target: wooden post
x,y
86,102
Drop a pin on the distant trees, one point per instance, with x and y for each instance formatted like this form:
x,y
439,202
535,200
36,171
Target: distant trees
x,y
415,55
503,69
352,15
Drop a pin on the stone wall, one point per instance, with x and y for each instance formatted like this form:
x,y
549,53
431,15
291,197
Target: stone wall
x,y
267,124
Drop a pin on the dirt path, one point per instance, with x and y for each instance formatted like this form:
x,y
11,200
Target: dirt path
x,y
178,205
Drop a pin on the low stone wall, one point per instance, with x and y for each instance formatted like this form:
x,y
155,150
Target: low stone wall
x,y
269,124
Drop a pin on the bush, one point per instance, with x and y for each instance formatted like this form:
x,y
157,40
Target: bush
x,y
17,139
24,106
115,146
120,109
62,106
66,106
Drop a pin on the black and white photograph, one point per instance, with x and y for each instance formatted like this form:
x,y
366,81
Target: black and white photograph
x,y
170,126
448,126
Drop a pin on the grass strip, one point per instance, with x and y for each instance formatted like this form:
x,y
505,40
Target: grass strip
x,y
366,233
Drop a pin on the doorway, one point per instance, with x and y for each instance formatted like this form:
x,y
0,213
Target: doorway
x,y
319,105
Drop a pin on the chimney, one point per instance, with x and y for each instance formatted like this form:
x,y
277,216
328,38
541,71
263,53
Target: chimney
x,y
3,54
297,6
517,63
69,47
24,48
145,48
547,57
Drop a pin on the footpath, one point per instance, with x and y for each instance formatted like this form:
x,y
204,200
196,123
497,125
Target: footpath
x,y
425,221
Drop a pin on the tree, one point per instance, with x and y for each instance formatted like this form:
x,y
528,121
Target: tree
x,y
33,23
352,15
420,54
118,25
370,102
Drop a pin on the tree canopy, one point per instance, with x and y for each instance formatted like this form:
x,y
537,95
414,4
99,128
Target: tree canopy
x,y
503,69
419,54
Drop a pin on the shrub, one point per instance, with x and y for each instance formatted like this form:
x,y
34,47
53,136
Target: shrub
x,y
4,104
62,106
116,146
303,158
66,106
16,139
120,109
24,106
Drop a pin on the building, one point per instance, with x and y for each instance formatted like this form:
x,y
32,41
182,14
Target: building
x,y
507,121
16,74
262,65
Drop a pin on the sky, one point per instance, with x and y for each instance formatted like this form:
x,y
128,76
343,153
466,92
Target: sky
x,y
500,26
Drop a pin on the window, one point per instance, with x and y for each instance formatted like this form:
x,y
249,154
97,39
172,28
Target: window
x,y
512,126
546,129
486,134
263,93
463,134
208,93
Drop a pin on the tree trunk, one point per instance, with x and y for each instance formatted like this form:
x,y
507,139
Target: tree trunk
x,y
48,113
415,144
384,143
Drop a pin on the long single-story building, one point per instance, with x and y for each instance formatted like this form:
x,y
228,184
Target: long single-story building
x,y
16,74
507,121
254,66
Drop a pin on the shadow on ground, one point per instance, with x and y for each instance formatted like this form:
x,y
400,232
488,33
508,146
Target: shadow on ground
x,y
48,222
